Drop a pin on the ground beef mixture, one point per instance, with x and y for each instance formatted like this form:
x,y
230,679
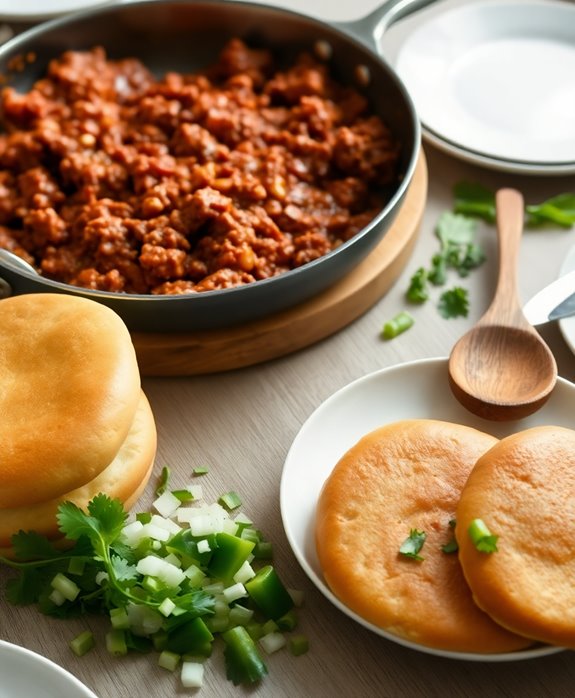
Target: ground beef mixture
x,y
115,180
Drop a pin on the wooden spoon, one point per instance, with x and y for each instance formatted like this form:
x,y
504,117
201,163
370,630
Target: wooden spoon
x,y
501,369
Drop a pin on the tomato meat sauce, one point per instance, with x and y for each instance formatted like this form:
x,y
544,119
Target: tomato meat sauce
x,y
113,179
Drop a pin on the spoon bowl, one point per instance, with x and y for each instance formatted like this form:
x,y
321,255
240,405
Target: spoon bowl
x,y
502,369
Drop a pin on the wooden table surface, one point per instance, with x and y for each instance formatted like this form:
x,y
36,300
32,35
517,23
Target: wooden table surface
x,y
242,423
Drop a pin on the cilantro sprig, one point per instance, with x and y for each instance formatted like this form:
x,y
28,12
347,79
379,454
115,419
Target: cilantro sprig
x,y
96,539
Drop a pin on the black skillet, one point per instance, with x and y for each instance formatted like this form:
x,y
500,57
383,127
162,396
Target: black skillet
x,y
186,36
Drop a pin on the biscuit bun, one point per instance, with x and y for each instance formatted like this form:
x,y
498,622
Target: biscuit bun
x,y
69,390
124,479
524,490
403,476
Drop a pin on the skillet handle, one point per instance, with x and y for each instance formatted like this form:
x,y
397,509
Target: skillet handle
x,y
370,29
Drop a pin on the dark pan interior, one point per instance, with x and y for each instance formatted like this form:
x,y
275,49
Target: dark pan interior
x,y
185,37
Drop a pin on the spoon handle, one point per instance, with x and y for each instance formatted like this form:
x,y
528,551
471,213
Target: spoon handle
x,y
505,307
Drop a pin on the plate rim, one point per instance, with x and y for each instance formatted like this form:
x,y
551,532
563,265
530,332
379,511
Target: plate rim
x,y
430,363
565,324
59,672
460,149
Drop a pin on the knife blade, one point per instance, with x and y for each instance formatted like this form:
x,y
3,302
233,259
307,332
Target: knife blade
x,y
553,302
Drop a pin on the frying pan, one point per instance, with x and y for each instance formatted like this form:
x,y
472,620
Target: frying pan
x,y
187,35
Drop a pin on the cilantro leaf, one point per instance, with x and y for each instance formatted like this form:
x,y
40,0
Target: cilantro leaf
x,y
417,291
412,545
123,570
455,229
474,200
103,523
454,303
29,545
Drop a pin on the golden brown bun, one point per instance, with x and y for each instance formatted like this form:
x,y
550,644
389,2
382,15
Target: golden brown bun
x,y
69,388
524,490
124,479
406,475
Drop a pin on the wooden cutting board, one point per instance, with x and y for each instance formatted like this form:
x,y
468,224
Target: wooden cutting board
x,y
212,351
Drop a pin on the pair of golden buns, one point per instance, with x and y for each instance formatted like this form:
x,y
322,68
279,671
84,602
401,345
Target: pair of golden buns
x,y
423,474
75,421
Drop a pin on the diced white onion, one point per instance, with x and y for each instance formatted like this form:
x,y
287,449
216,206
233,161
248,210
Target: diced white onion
x,y
156,532
143,619
245,573
272,642
192,674
166,504
168,524
133,533
166,607
173,560
158,567
204,546
196,491
236,591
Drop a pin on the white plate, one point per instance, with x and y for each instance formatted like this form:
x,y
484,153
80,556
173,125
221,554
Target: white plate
x,y
416,390
25,673
497,80
567,325
39,10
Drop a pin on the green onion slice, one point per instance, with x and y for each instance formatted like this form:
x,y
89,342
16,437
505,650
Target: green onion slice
x,y
481,537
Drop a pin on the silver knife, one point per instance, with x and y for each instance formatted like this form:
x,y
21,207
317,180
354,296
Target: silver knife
x,y
553,302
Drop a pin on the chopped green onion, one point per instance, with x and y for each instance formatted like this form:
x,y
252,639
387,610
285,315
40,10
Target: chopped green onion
x,y
116,643
412,545
119,619
65,586
298,644
288,621
82,643
183,495
163,482
268,593
76,565
230,500
169,660
400,323
263,550
243,661
482,537
200,470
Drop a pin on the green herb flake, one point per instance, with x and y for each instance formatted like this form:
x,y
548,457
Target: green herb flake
x,y
454,303
451,546
481,537
411,546
200,470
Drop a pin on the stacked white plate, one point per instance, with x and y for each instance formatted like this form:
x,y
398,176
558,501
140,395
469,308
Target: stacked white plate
x,y
494,83
39,10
